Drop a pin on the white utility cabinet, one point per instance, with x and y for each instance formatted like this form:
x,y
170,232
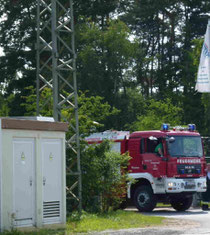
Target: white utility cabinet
x,y
32,172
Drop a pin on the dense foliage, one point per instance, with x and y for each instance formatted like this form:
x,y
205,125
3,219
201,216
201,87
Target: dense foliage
x,y
138,56
104,187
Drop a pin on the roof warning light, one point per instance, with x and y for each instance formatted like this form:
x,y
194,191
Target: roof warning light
x,y
191,127
165,127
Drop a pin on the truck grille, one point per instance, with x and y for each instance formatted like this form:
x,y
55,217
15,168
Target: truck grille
x,y
189,169
190,187
189,184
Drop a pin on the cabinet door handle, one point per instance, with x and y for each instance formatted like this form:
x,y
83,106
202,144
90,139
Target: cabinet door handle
x,y
44,181
30,181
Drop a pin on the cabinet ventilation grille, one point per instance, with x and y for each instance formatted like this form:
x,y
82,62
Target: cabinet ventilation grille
x,y
51,209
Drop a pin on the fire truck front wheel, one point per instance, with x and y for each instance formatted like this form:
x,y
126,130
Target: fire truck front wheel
x,y
182,204
144,199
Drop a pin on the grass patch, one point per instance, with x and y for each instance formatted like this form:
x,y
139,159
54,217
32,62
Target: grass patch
x,y
98,222
38,232
113,220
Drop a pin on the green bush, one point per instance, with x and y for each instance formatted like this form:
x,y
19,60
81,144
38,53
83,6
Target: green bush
x,y
104,177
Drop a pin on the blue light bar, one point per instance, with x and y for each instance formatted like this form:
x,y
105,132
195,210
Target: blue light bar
x,y
165,127
191,127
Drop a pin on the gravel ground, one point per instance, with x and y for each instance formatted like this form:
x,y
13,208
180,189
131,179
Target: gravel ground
x,y
171,227
180,226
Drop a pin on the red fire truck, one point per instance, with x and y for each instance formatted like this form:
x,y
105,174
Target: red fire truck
x,y
173,177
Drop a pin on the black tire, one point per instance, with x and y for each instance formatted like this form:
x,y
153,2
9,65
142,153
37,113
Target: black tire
x,y
182,204
144,199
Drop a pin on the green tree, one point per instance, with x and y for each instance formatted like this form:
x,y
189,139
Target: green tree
x,y
205,118
154,25
195,18
149,52
99,11
131,104
104,187
93,110
103,58
17,38
4,105
165,67
195,104
93,113
165,30
157,113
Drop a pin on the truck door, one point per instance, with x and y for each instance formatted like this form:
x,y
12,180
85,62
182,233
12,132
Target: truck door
x,y
134,152
152,162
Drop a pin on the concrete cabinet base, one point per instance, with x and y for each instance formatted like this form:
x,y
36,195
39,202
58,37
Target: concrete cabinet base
x,y
32,168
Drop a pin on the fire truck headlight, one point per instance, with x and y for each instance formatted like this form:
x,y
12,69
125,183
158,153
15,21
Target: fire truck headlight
x,y
170,184
204,184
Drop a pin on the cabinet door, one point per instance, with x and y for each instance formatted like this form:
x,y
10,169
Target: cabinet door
x,y
52,175
23,178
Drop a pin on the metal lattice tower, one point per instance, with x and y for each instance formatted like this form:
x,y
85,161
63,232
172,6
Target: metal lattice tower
x,y
56,74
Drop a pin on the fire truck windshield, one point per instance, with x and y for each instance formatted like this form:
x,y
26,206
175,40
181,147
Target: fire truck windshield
x,y
185,146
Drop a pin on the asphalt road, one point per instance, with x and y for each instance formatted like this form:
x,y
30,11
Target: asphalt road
x,y
191,222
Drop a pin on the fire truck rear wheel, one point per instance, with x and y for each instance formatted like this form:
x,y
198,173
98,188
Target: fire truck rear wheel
x,y
144,199
182,204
